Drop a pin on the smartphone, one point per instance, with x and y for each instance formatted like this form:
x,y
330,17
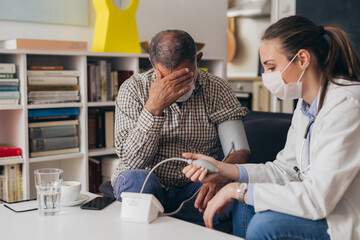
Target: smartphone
x,y
98,203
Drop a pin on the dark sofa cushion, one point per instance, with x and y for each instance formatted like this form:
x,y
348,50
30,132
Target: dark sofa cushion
x,y
266,133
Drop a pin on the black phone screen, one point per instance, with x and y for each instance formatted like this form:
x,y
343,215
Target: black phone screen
x,y
98,203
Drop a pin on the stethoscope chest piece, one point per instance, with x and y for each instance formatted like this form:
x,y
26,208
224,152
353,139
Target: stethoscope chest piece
x,y
300,176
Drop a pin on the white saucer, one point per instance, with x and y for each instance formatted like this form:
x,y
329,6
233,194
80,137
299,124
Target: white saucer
x,y
81,199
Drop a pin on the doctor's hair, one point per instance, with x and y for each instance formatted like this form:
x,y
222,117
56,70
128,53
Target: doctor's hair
x,y
171,48
331,46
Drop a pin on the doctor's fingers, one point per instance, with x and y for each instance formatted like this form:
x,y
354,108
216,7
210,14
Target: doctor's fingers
x,y
209,217
197,174
189,170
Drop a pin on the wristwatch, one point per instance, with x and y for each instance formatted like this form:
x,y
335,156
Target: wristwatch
x,y
241,190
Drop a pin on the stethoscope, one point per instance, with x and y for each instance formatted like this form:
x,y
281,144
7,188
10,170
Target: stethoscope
x,y
301,171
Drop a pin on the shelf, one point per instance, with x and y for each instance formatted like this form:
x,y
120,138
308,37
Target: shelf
x,y
7,162
57,157
101,152
55,105
101,104
11,107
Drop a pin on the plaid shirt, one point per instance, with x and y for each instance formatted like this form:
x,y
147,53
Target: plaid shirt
x,y
143,140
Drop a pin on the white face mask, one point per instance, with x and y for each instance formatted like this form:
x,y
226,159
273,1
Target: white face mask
x,y
188,94
276,85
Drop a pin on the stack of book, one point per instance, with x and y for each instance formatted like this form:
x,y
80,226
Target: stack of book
x,y
103,83
53,86
11,184
101,127
53,131
9,85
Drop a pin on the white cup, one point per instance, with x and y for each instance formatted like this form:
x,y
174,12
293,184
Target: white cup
x,y
70,191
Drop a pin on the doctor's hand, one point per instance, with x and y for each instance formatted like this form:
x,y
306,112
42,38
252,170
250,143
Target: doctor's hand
x,y
219,203
212,182
164,91
196,173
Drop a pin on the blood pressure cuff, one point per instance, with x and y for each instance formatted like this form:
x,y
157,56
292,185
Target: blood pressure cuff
x,y
232,135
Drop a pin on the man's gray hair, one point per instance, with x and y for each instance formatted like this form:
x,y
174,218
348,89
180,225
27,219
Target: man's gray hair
x,y
170,48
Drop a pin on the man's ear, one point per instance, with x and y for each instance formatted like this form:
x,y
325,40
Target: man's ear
x,y
198,58
151,63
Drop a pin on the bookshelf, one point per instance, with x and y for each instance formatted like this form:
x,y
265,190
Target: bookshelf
x,y
14,118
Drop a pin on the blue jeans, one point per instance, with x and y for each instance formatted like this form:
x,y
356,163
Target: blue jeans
x,y
275,225
132,181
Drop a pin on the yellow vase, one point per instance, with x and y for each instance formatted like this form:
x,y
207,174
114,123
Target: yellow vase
x,y
115,29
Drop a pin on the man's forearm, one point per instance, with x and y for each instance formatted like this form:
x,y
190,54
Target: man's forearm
x,y
238,157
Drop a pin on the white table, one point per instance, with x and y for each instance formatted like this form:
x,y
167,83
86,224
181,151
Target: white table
x,y
75,223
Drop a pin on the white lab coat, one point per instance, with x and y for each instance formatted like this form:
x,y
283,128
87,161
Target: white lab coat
x,y
331,189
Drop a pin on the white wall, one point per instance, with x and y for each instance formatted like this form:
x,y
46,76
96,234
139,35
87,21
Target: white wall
x,y
205,20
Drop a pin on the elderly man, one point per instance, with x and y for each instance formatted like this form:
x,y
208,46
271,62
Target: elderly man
x,y
171,109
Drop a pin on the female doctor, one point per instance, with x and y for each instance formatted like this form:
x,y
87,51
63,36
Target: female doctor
x,y
312,189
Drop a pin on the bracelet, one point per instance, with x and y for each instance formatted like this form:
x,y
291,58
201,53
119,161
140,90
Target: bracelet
x,y
241,190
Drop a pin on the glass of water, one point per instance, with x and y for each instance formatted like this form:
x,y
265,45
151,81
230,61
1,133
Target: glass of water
x,y
48,183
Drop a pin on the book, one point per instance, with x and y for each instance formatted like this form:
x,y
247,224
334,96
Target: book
x,y
7,75
100,136
13,179
11,158
94,175
19,182
53,94
8,151
44,67
92,127
52,112
53,131
46,144
53,87
54,152
51,118
3,184
7,68
9,82
9,95
98,83
103,79
9,101
114,76
52,80
53,123
9,88
42,44
68,73
92,83
109,129
109,83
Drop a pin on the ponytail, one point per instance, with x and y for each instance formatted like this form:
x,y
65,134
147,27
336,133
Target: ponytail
x,y
330,45
342,61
